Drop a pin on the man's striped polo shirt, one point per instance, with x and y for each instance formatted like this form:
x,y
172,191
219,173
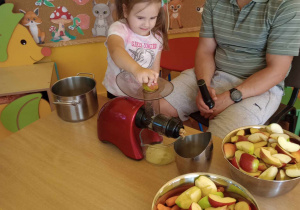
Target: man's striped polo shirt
x,y
245,36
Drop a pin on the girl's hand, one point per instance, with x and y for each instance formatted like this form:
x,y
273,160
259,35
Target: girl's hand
x,y
144,75
203,108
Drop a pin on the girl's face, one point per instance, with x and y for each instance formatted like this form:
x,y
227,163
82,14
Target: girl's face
x,y
142,17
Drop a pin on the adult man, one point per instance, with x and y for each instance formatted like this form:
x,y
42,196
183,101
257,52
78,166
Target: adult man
x,y
244,53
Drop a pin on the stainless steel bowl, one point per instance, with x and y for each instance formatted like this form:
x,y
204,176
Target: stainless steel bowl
x,y
188,179
261,187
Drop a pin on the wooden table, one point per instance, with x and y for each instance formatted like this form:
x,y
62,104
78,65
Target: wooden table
x,y
53,164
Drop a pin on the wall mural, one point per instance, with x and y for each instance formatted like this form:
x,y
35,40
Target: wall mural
x,y
56,23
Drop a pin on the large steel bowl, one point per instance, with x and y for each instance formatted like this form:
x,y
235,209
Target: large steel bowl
x,y
182,182
261,187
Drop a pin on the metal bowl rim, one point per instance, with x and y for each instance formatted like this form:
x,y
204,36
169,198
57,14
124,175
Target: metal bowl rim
x,y
251,177
196,174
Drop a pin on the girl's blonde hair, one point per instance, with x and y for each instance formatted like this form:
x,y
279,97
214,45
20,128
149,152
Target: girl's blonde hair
x,y
160,27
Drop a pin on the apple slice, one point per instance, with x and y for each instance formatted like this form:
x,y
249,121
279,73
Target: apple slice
x,y
266,156
195,206
293,170
269,174
262,166
242,205
238,155
245,146
229,150
260,144
257,152
271,140
206,185
185,199
283,151
271,150
240,132
257,137
297,156
281,175
204,203
249,163
254,174
276,135
288,146
217,201
254,130
231,207
233,161
283,158
274,128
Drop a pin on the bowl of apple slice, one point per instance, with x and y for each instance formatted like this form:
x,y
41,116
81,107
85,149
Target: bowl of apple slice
x,y
265,159
203,191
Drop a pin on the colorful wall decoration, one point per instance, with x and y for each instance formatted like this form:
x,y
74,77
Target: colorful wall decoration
x,y
55,23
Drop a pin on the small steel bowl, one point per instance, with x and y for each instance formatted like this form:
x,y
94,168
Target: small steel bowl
x,y
183,182
261,187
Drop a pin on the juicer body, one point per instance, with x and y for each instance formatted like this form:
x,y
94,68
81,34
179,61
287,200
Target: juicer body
x,y
116,124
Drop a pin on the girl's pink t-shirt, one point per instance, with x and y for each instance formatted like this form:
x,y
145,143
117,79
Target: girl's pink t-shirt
x,y
143,49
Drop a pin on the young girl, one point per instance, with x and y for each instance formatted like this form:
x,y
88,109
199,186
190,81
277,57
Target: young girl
x,y
134,43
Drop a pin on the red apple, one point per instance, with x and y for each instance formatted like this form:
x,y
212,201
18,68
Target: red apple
x,y
217,201
248,163
229,150
242,205
195,206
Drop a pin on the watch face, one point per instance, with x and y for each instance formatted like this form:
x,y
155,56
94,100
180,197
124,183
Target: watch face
x,y
236,96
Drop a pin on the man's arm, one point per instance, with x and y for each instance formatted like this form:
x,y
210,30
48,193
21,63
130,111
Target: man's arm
x,y
273,74
205,59
204,69
258,83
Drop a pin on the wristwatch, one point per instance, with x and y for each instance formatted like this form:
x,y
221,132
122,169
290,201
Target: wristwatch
x,y
235,95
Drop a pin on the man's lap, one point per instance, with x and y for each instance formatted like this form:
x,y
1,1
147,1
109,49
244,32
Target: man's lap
x,y
251,111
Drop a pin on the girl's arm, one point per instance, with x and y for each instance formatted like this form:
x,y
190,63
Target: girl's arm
x,y
123,60
156,65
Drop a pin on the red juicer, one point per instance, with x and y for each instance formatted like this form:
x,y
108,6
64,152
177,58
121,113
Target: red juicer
x,y
121,120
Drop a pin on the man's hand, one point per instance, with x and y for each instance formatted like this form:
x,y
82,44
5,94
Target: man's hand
x,y
203,108
221,104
